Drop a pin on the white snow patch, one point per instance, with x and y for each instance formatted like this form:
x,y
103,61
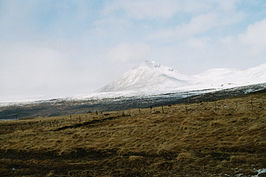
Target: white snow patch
x,y
260,171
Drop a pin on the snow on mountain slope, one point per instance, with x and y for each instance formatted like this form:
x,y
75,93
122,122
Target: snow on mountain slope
x,y
149,76
153,78
228,78
255,75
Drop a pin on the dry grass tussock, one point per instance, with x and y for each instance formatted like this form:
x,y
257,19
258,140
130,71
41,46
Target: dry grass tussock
x,y
221,138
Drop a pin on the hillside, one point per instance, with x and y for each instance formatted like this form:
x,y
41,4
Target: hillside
x,y
58,107
149,84
215,138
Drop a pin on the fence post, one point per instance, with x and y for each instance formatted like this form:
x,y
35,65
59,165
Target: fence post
x,y
236,106
251,102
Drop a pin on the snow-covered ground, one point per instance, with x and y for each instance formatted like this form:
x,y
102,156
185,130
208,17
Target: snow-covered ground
x,y
260,171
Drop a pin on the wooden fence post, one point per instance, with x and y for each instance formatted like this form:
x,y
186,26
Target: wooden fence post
x,y
236,106
251,103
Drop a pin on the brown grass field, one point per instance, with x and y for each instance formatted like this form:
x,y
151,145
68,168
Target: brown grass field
x,y
221,138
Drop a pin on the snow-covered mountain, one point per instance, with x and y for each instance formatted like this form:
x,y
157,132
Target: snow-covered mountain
x,y
153,78
148,76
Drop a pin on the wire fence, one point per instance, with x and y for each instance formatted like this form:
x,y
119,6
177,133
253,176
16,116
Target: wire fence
x,y
252,106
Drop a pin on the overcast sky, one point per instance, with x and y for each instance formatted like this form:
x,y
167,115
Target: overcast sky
x,y
64,48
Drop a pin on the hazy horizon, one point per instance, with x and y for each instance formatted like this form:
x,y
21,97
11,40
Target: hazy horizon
x,y
51,49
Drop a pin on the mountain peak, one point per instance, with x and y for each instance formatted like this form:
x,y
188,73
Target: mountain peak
x,y
152,63
149,75
155,65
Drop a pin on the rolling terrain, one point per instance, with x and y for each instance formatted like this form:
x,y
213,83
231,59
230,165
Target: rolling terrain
x,y
59,107
214,137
